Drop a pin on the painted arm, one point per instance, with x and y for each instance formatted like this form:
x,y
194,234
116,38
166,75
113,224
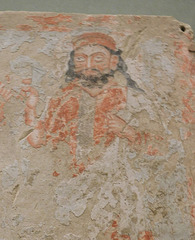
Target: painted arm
x,y
31,103
36,137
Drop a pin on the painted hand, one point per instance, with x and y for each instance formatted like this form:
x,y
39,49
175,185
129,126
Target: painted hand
x,y
115,124
119,127
33,96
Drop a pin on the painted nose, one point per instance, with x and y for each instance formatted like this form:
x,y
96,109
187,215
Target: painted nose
x,y
89,62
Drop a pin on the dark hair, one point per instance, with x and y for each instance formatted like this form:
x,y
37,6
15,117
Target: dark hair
x,y
121,67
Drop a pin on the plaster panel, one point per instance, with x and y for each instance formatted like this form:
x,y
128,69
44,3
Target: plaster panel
x,y
96,127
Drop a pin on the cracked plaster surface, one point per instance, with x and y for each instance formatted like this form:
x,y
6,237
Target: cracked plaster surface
x,y
99,160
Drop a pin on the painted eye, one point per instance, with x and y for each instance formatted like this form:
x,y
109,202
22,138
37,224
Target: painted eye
x,y
79,59
98,58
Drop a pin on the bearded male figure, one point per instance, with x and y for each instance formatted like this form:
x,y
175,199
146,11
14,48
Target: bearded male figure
x,y
86,112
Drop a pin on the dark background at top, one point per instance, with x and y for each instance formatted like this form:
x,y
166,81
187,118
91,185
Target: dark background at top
x,y
182,10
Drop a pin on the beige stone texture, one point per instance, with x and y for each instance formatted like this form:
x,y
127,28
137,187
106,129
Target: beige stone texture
x,y
96,127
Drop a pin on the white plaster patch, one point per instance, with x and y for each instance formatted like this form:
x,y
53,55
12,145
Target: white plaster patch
x,y
176,146
93,232
14,39
102,180
134,122
183,133
25,166
132,155
71,236
139,72
24,144
142,175
27,67
166,128
16,220
158,65
139,102
154,47
10,175
172,188
60,50
168,66
72,198
52,39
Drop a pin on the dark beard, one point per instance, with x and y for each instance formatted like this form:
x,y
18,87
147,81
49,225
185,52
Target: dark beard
x,y
93,81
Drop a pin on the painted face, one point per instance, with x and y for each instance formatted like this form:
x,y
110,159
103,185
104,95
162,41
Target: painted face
x,y
92,60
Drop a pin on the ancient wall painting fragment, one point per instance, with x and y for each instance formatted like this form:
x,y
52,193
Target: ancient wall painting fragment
x,y
96,127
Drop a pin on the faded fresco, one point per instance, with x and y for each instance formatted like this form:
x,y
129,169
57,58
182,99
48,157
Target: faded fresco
x,y
96,127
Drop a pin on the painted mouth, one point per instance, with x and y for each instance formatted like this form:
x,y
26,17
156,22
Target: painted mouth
x,y
90,73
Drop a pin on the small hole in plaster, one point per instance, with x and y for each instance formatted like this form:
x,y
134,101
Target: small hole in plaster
x,y
182,28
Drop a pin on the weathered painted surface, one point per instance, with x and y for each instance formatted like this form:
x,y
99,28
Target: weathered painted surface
x,y
96,127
